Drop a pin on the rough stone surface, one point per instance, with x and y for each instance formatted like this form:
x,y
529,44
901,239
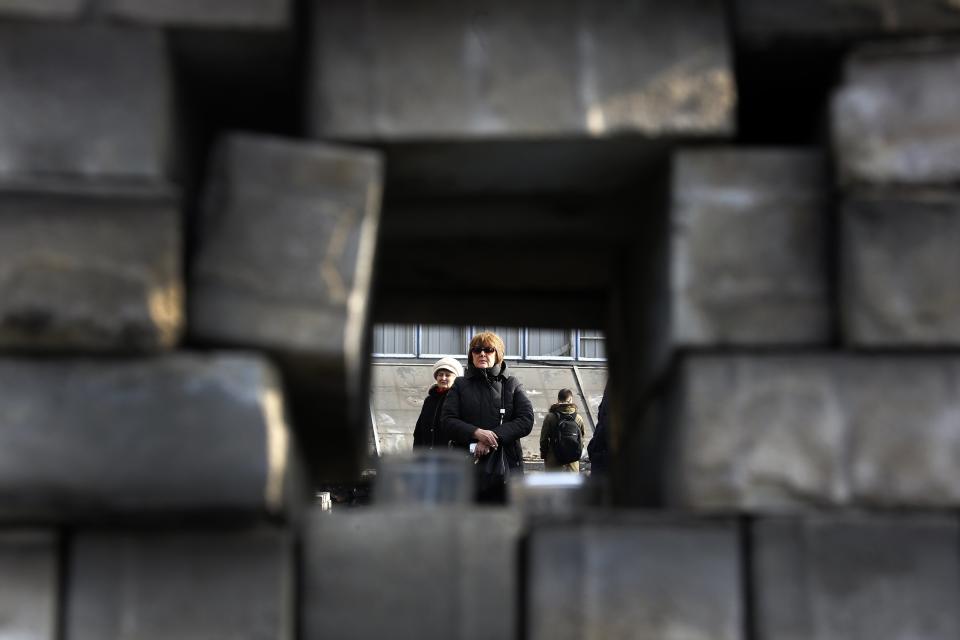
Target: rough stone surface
x,y
894,115
28,585
432,568
857,578
576,68
748,248
82,439
784,432
89,269
628,577
842,19
257,14
91,100
215,585
899,270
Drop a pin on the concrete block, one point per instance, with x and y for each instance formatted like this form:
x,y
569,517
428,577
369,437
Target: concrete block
x,y
630,577
506,70
42,9
89,269
411,573
841,20
894,115
899,264
215,585
749,248
770,433
83,99
856,577
83,439
247,14
29,589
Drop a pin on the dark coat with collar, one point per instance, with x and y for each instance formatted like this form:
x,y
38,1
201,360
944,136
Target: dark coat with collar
x,y
474,401
427,431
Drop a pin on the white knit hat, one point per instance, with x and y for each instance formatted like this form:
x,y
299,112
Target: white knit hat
x,y
448,363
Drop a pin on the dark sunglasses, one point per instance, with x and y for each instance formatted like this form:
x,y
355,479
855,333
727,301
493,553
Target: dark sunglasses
x,y
483,349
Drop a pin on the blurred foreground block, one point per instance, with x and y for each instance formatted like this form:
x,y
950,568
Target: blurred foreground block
x,y
901,270
383,71
749,247
249,14
786,432
57,9
857,577
28,585
82,439
215,585
285,264
89,268
634,577
411,573
894,116
83,99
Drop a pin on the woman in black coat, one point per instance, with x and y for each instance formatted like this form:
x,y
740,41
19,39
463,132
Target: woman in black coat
x,y
471,412
427,431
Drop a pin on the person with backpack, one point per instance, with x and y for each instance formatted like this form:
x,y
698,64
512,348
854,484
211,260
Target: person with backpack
x,y
427,431
562,435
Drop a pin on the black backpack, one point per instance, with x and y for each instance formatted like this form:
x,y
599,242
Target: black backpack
x,y
565,441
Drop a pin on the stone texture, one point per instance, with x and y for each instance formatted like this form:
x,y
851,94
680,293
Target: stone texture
x,y
28,585
90,100
780,432
894,115
632,577
83,439
89,269
899,270
432,568
748,247
540,69
251,14
842,19
855,577
214,585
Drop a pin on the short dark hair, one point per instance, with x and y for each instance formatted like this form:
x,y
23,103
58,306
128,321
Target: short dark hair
x,y
565,395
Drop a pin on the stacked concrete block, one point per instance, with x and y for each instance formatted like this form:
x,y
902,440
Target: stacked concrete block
x,y
748,262
539,69
222,14
781,432
82,440
630,577
285,264
29,584
412,573
202,584
46,9
856,577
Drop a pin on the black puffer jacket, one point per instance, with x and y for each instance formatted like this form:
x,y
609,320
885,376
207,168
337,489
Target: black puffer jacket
x,y
427,431
474,401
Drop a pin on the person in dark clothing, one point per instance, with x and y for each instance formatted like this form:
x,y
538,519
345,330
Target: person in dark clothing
x,y
427,431
599,448
471,412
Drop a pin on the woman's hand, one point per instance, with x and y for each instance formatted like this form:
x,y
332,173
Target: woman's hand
x,y
481,450
485,437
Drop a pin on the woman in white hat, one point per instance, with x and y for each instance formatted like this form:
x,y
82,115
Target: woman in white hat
x,y
427,431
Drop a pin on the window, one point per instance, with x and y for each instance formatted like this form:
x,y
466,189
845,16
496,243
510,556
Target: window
x,y
436,340
433,341
395,340
549,343
592,345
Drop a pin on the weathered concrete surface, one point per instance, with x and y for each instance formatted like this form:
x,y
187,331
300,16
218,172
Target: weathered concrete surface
x,y
83,439
770,433
250,14
749,247
398,392
761,20
856,577
439,573
541,69
899,263
215,585
894,117
89,268
83,99
28,584
57,9
632,577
